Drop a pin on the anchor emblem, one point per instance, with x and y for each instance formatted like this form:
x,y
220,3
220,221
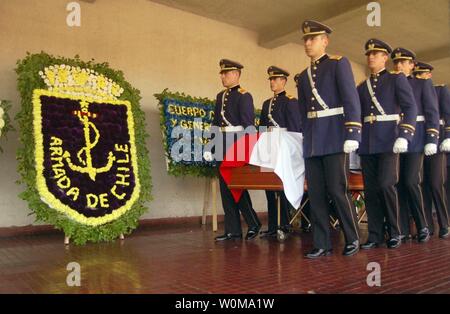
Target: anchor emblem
x,y
84,154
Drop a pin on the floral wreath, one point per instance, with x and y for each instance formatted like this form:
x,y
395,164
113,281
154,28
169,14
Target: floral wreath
x,y
168,120
84,160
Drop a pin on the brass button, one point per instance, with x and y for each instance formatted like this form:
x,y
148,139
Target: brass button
x,y
350,130
312,98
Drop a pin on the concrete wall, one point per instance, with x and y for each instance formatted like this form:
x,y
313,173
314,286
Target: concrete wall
x,y
156,47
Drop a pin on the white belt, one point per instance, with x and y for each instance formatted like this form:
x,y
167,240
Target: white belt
x,y
325,113
420,118
385,117
275,128
232,128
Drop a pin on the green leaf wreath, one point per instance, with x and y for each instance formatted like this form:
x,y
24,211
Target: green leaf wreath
x,y
28,80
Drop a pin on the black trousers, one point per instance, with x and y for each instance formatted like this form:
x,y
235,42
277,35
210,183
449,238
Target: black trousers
x,y
232,209
273,210
380,175
434,177
327,179
410,192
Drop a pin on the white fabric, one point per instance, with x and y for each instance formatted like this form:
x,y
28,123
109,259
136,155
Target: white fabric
x,y
420,118
400,145
430,149
350,146
445,145
282,152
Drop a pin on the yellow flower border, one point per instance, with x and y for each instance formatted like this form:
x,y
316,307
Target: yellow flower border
x,y
46,195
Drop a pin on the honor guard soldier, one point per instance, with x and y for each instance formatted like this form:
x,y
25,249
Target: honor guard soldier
x,y
234,111
425,140
331,123
434,167
279,113
384,95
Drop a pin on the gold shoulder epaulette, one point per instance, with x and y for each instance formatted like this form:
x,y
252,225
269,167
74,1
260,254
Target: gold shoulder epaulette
x,y
242,91
421,78
290,96
335,57
395,72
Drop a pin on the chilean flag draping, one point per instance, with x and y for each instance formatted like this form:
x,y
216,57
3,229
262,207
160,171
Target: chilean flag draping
x,y
237,155
280,151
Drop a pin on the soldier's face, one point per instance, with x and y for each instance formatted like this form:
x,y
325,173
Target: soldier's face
x,y
425,75
229,78
315,45
376,60
405,66
277,84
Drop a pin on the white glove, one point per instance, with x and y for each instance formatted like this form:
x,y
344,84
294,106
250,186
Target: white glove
x,y
430,149
400,145
208,156
350,146
445,145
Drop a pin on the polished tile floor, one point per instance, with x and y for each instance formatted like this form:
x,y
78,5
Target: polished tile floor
x,y
186,260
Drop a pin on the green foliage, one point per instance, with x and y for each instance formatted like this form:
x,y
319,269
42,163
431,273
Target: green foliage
x,y
6,106
29,80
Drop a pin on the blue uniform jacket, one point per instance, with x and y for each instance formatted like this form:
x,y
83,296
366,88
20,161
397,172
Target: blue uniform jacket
x,y
426,131
238,107
285,111
395,95
333,78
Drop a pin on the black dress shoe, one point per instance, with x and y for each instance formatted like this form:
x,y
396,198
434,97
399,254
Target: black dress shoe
x,y
424,235
444,233
252,233
228,236
369,245
394,242
316,253
268,234
351,249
